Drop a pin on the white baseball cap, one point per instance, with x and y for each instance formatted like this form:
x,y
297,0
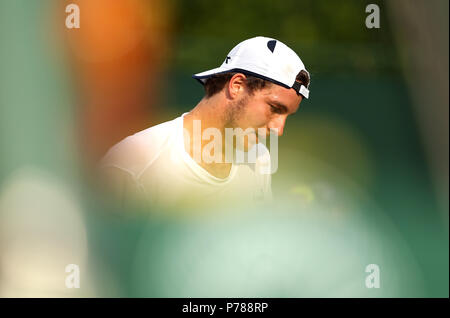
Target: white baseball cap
x,y
265,58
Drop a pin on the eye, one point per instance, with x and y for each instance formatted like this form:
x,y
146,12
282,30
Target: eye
x,y
275,109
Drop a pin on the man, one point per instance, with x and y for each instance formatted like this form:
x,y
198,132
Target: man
x,y
187,161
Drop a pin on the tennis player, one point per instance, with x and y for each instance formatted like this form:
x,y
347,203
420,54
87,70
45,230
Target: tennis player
x,y
194,159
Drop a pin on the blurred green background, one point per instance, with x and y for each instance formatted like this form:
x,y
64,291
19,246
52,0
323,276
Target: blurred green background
x,y
363,165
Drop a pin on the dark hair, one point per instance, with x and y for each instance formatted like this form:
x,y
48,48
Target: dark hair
x,y
216,83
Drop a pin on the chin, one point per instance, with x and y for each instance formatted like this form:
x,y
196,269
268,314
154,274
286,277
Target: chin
x,y
249,145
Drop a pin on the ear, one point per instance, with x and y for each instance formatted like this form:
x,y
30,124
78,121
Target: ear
x,y
236,85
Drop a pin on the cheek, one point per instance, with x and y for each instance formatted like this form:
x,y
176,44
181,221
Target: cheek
x,y
257,115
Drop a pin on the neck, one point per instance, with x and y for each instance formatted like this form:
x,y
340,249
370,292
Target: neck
x,y
210,113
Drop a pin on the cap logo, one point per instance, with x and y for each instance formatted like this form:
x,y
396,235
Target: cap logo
x,y
226,60
271,45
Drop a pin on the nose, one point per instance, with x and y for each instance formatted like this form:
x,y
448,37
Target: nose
x,y
277,124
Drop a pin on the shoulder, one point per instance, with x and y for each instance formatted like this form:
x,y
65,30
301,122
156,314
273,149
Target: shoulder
x,y
135,153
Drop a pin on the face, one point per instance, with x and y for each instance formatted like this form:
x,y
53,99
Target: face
x,y
267,108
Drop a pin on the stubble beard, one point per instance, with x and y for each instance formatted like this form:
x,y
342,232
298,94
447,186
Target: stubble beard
x,y
232,116
234,112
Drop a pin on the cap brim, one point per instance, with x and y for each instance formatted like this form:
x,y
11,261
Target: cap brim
x,y
201,77
204,75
